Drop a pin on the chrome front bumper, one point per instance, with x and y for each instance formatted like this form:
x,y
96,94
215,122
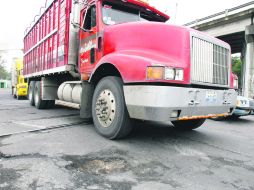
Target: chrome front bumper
x,y
159,103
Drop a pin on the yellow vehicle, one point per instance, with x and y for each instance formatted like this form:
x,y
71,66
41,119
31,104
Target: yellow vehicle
x,y
19,85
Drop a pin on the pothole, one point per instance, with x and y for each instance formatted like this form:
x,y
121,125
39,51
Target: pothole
x,y
97,166
8,178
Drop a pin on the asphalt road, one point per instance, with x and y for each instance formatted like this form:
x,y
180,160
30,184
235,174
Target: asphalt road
x,y
54,149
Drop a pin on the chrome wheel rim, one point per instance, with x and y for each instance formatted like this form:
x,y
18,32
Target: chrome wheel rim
x,y
106,108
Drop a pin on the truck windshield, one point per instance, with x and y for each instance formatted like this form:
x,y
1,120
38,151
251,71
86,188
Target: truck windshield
x,y
116,13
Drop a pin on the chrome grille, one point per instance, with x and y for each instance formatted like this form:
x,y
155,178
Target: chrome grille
x,y
210,63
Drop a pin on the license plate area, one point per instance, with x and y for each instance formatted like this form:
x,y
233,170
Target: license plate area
x,y
211,96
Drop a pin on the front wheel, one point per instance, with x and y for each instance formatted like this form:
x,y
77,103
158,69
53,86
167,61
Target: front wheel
x,y
189,124
110,115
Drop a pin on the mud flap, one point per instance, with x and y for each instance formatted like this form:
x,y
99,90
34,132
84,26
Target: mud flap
x,y
86,100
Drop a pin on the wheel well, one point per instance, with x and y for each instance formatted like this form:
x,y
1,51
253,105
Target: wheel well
x,y
104,70
33,79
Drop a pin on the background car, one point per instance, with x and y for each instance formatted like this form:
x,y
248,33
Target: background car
x,y
243,107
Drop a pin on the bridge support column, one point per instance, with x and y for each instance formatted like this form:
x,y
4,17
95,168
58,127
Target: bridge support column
x,y
248,74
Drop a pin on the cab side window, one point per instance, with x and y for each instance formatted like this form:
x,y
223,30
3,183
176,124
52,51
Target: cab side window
x,y
90,20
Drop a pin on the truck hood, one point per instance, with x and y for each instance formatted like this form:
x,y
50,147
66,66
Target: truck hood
x,y
159,43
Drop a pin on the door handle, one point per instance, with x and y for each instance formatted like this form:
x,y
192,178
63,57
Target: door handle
x,y
99,43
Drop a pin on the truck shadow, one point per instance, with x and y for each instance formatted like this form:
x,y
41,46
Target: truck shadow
x,y
163,131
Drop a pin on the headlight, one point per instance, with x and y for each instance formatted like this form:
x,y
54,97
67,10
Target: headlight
x,y
235,83
164,73
169,73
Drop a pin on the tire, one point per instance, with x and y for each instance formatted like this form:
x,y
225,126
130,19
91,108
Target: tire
x,y
18,97
110,115
188,125
31,93
39,103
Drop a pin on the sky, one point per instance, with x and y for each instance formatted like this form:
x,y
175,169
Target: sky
x,y
184,11
16,15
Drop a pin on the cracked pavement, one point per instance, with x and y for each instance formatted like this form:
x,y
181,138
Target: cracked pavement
x,y
55,149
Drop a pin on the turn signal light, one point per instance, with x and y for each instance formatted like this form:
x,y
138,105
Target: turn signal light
x,y
155,73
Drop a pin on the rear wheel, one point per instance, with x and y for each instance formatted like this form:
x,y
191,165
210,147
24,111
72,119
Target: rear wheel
x,y
110,115
39,103
189,124
31,93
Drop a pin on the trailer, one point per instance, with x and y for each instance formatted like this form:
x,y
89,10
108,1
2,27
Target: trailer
x,y
119,61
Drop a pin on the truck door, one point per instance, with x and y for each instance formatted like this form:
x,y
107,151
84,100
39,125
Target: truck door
x,y
88,40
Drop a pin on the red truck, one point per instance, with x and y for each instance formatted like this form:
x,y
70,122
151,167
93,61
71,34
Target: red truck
x,y
119,61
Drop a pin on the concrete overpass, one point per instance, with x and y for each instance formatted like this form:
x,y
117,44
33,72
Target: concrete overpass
x,y
234,26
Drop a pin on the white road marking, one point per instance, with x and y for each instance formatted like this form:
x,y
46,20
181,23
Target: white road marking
x,y
186,151
30,125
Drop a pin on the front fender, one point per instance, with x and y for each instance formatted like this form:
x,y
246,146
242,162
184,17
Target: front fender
x,y
132,64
